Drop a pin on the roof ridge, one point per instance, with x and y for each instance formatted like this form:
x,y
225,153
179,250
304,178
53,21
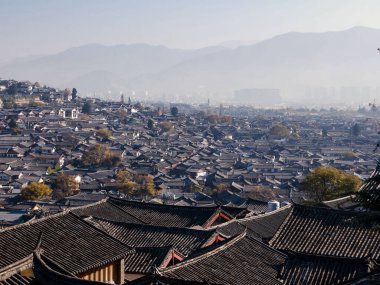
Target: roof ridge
x,y
90,204
129,249
250,218
154,226
153,247
121,209
100,230
337,199
64,212
219,210
163,205
284,222
327,209
33,221
254,217
324,256
205,255
216,227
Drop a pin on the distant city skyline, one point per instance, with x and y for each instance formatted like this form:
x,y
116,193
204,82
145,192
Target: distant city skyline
x,y
43,27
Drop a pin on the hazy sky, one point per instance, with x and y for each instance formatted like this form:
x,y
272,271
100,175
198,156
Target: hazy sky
x,y
29,27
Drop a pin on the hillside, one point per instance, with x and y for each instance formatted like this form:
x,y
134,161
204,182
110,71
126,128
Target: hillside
x,y
292,61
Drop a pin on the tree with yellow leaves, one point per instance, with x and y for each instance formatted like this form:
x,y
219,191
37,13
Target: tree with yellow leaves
x,y
36,191
327,183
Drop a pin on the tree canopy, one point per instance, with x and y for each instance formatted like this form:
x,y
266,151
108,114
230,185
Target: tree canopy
x,y
87,107
12,124
166,126
12,90
9,103
64,185
150,124
135,185
216,119
327,183
279,130
355,130
67,93
99,155
146,185
36,191
261,193
174,111
74,94
103,133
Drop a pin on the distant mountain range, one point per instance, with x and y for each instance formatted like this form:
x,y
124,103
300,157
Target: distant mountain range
x,y
292,61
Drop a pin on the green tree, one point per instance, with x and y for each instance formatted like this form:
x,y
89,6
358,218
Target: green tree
x,y
56,168
74,94
50,170
12,124
174,111
355,130
65,185
326,183
150,124
9,103
36,191
12,90
87,107
324,132
15,130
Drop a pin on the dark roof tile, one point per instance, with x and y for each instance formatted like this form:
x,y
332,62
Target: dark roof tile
x,y
323,231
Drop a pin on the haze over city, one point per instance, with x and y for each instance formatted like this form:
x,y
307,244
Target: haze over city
x,y
195,50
